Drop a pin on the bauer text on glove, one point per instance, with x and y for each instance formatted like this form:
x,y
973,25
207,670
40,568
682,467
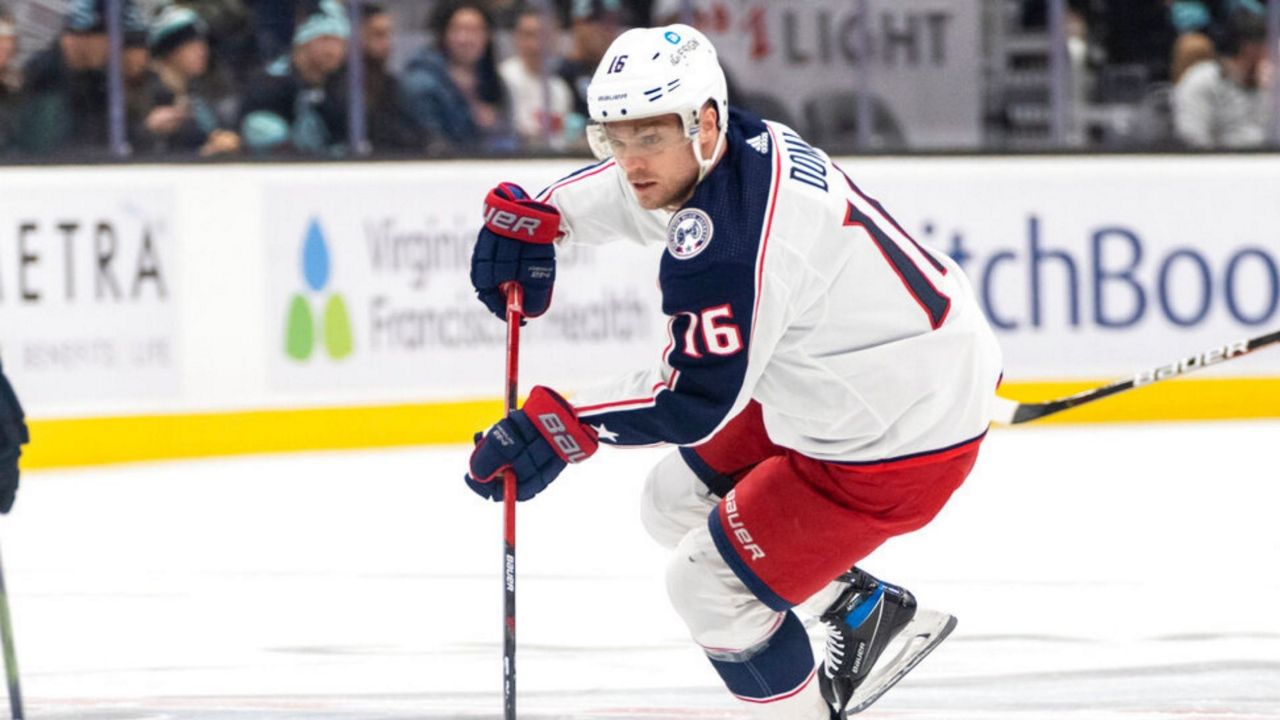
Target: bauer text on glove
x,y
516,244
536,443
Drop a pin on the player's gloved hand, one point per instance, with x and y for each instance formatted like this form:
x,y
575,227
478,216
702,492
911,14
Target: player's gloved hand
x,y
536,441
515,245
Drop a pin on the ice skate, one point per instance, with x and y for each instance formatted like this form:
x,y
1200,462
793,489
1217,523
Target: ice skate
x,y
866,619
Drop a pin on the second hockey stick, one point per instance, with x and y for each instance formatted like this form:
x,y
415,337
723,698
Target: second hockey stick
x,y
10,654
515,314
1012,412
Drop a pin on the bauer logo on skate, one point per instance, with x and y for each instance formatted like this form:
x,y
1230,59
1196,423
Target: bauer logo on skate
x,y
740,533
689,233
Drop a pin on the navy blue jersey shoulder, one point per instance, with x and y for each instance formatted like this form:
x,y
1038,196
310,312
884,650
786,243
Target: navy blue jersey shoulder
x,y
708,281
735,197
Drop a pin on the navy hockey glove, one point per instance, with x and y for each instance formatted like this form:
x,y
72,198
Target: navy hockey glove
x,y
536,441
515,245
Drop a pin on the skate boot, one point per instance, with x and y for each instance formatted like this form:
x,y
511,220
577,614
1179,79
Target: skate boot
x,y
861,623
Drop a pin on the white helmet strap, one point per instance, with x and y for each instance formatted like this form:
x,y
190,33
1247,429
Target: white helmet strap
x,y
705,164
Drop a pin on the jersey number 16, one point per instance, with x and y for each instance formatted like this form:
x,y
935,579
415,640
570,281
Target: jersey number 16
x,y
720,336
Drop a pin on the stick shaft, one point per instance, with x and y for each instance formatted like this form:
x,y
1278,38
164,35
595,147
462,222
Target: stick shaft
x,y
515,311
1011,413
10,654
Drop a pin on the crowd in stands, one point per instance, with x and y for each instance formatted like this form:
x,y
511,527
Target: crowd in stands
x,y
1204,62
206,78
272,78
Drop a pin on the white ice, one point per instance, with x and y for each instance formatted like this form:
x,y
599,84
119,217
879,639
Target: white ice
x,y
1101,572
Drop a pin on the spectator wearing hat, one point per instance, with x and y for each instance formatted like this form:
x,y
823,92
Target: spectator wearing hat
x,y
453,90
10,78
298,104
541,102
64,107
232,37
1221,102
391,128
595,24
184,119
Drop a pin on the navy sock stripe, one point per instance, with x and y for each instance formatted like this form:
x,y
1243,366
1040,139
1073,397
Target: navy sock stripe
x,y
780,669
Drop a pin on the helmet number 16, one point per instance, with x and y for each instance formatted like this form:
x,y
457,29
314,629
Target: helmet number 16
x,y
617,64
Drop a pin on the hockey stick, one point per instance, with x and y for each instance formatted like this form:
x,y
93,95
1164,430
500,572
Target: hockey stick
x,y
10,655
515,312
1012,412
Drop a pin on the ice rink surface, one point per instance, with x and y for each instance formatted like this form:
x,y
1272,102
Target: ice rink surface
x,y
1099,572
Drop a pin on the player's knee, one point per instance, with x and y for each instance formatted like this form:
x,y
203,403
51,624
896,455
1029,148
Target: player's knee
x,y
693,588
675,501
718,609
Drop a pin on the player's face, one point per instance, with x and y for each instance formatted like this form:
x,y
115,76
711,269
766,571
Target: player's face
x,y
656,157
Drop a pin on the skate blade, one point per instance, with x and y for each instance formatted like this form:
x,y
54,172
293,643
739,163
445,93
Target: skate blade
x,y
920,636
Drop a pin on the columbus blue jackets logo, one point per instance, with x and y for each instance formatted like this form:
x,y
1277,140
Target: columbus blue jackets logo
x,y
688,233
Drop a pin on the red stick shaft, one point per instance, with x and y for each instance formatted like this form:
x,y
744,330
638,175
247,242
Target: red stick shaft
x,y
515,311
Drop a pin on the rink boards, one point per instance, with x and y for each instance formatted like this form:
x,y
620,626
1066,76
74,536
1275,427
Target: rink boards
x,y
190,311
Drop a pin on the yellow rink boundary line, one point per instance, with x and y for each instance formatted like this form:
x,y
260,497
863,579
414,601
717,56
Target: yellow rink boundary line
x,y
106,440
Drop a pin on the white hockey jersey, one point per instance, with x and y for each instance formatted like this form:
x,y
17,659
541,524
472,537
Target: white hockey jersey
x,y
783,282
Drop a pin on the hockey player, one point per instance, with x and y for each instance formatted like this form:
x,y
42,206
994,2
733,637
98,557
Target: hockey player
x,y
827,378
13,434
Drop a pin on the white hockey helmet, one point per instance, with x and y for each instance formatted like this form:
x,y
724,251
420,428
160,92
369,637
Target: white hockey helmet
x,y
648,72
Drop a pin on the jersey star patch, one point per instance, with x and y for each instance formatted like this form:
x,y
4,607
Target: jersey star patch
x,y
605,433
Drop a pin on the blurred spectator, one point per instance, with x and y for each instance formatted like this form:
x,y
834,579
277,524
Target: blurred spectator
x,y
10,78
1189,49
1190,16
135,58
299,103
1209,16
1221,102
64,106
273,22
542,112
232,39
453,91
505,13
595,25
389,124
184,119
